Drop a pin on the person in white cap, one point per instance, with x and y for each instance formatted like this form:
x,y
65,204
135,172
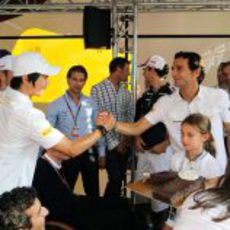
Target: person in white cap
x,y
24,128
6,60
154,153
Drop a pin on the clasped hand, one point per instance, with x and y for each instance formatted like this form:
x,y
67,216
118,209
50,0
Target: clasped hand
x,y
106,119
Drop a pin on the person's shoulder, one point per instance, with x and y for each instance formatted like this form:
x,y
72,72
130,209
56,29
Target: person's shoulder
x,y
172,93
86,100
213,91
100,84
84,97
35,113
167,89
167,99
222,92
25,117
210,157
179,155
56,102
214,97
145,95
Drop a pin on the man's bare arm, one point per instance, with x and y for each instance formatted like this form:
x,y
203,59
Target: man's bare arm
x,y
76,147
133,129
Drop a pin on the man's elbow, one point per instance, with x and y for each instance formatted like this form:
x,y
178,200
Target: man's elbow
x,y
66,147
73,151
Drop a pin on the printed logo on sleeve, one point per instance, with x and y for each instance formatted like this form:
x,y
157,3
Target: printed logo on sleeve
x,y
46,132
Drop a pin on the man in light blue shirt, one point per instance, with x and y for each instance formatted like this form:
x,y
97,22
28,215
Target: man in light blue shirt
x,y
74,114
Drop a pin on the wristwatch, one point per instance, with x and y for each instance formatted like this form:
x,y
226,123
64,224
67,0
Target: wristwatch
x,y
102,129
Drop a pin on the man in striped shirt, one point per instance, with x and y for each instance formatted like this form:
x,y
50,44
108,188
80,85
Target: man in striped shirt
x,y
111,95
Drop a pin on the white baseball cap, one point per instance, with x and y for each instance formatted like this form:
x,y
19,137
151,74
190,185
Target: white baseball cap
x,y
6,63
156,62
32,62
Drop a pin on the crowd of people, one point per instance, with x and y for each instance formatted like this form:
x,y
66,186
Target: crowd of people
x,y
184,127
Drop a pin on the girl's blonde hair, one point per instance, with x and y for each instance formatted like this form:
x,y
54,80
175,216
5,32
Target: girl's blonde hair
x,y
203,124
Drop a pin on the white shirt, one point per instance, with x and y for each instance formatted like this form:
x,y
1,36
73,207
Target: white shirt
x,y
23,129
173,109
201,165
198,219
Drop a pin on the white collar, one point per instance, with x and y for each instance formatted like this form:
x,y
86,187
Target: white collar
x,y
69,97
199,158
111,83
199,95
54,163
17,98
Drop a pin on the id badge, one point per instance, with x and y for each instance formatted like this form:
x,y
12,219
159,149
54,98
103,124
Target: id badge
x,y
75,132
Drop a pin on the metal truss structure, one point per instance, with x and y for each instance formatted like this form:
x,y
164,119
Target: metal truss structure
x,y
34,6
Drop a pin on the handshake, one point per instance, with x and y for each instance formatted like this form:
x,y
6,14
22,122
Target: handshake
x,y
106,119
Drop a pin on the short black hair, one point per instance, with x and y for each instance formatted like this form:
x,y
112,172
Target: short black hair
x,y
77,68
16,82
117,62
4,52
194,62
13,205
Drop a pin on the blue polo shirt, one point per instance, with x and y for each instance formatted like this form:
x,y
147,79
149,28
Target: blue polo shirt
x,y
64,115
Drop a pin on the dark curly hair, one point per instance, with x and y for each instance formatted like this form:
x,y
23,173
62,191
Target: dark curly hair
x,y
13,206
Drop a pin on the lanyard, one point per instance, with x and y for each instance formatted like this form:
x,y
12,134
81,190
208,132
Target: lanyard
x,y
74,117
